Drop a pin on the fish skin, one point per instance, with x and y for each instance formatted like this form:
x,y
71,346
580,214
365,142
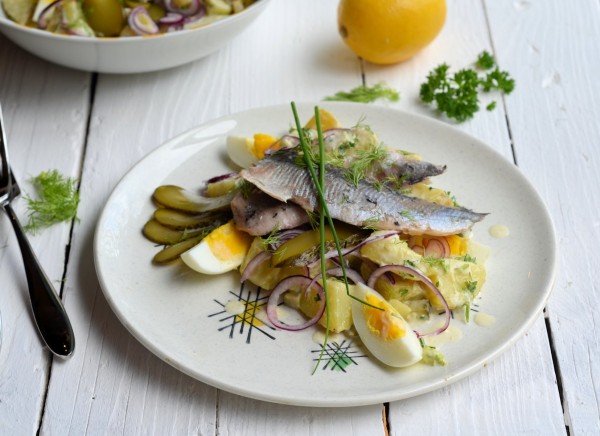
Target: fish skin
x,y
364,205
406,171
259,214
395,169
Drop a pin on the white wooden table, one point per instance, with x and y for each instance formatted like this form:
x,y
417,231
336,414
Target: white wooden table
x,y
95,127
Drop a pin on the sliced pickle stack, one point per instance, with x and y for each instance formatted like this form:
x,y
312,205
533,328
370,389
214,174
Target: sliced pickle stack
x,y
183,218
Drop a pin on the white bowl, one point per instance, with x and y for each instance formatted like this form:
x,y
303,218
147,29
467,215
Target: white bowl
x,y
136,54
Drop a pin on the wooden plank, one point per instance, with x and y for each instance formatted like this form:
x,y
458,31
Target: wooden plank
x,y
552,50
245,417
112,382
504,390
45,111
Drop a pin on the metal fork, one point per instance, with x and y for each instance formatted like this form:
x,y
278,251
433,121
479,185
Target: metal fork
x,y
49,314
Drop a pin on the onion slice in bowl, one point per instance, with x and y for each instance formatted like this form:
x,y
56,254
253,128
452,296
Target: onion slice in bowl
x,y
175,19
285,286
425,280
46,13
140,21
194,7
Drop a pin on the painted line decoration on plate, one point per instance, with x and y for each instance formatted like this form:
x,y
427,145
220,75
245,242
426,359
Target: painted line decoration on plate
x,y
242,312
339,356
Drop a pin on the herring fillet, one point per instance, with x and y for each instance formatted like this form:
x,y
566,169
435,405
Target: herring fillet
x,y
260,214
407,171
364,205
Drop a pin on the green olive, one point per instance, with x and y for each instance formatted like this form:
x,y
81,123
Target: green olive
x,y
104,16
156,12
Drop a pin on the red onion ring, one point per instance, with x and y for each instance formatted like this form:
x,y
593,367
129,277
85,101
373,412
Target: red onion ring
x,y
140,21
197,16
284,236
431,247
330,132
222,176
193,8
293,143
253,264
175,19
417,274
346,251
436,249
338,272
44,16
281,289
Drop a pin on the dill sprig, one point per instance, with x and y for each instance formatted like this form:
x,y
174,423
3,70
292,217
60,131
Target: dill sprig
x,y
57,201
271,240
366,94
363,160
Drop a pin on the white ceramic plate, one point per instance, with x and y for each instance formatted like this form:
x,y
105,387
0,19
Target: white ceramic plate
x,y
179,315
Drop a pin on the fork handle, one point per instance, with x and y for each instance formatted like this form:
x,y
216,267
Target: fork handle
x,y
49,314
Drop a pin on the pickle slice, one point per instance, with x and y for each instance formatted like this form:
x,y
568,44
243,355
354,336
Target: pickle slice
x,y
175,197
172,252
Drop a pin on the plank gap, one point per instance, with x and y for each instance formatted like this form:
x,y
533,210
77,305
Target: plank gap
x,y
363,76
93,81
557,372
502,96
218,399
45,394
386,418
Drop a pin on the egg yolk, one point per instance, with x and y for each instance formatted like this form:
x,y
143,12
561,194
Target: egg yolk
x,y
262,142
227,242
384,323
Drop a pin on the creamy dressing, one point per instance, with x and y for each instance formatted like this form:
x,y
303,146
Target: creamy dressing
x,y
235,307
452,334
484,320
499,231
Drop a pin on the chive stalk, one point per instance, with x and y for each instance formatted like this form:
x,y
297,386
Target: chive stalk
x,y
324,213
320,192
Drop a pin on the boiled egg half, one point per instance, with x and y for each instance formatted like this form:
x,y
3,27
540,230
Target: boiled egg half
x,y
383,330
244,151
220,251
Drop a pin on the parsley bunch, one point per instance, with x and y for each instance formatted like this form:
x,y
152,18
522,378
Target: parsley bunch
x,y
457,95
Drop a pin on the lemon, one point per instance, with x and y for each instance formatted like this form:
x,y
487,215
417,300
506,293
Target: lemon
x,y
389,31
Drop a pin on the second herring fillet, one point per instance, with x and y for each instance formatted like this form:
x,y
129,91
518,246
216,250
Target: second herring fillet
x,y
364,205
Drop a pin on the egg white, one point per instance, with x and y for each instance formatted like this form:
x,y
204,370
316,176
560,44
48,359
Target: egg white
x,y
241,150
400,352
202,259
